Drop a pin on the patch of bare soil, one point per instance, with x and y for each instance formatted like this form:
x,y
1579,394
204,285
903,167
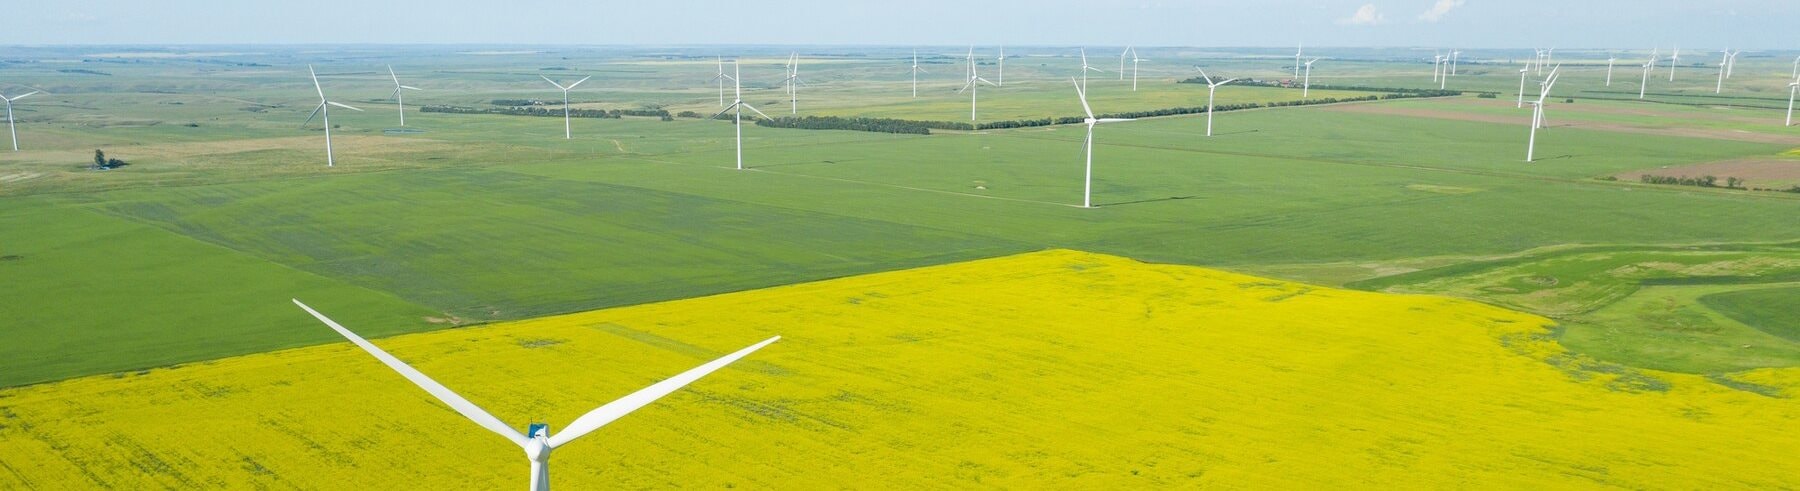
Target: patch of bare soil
x,y
1757,173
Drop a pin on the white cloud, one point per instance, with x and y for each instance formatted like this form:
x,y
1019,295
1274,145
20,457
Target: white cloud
x,y
1365,15
1439,9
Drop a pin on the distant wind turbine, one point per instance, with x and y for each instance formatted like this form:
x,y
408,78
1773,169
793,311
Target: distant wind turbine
x,y
720,78
1731,65
915,73
1722,62
1648,67
1610,59
324,110
1674,60
1134,68
973,87
1087,188
1122,56
399,99
1792,87
1086,68
565,90
737,108
1211,89
794,82
15,130
1537,117
1301,48
1523,72
1454,56
1002,60
539,442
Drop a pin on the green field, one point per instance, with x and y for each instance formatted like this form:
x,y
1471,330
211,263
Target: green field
x,y
191,253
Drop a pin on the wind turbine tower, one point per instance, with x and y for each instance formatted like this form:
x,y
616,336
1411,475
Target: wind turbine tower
x,y
565,90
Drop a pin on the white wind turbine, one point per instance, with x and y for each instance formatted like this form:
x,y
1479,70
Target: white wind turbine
x,y
399,100
1306,87
1610,59
973,87
1544,88
794,83
1549,59
1134,68
1731,65
1211,89
1087,187
1792,87
1648,67
720,78
539,442
1523,72
1537,117
1796,74
737,107
15,130
1437,65
324,110
1002,60
1674,60
1444,75
565,91
1298,50
1454,56
1085,68
915,73
1722,62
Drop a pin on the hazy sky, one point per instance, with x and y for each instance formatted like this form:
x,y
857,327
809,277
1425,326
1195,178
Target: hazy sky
x,y
1755,24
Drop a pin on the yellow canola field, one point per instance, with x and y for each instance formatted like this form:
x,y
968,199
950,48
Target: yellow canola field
x,y
1054,369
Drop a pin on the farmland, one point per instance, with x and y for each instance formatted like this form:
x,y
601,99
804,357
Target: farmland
x,y
1302,249
1375,390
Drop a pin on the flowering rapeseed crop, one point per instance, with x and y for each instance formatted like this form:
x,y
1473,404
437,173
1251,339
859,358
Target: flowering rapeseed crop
x,y
1053,369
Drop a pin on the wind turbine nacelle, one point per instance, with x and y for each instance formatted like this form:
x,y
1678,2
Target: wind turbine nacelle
x,y
536,428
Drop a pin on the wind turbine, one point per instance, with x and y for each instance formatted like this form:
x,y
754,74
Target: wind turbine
x,y
1549,59
539,442
1796,74
1134,68
1731,66
1002,60
1527,71
1537,117
1306,87
794,82
973,87
915,73
1444,77
1722,62
1610,58
1437,65
399,101
1084,69
1544,88
1674,60
324,110
720,78
1648,66
1297,51
1087,188
737,107
1211,88
1792,87
15,130
1454,55
565,90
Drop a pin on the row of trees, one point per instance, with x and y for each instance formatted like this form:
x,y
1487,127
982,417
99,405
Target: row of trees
x,y
877,125
551,111
1702,181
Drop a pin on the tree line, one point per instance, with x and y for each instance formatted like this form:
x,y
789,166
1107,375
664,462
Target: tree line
x,y
551,111
877,125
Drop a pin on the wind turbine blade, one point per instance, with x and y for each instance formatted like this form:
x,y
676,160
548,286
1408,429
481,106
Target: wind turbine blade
x,y
456,402
391,74
614,410
345,106
1229,80
1203,75
578,82
315,79
758,113
1113,120
315,113
1083,95
985,81
409,87
22,96
553,82
727,109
